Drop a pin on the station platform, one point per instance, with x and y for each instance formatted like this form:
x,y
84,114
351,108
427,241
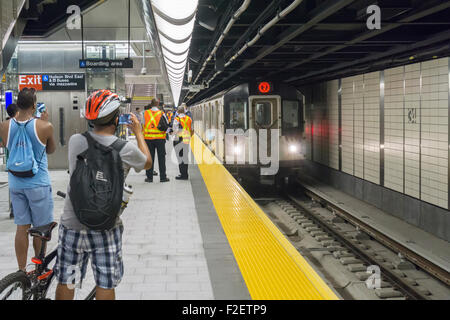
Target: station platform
x,y
199,239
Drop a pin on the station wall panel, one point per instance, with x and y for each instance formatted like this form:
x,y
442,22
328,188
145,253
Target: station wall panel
x,y
434,132
347,125
333,123
320,123
393,128
412,130
307,137
371,127
358,125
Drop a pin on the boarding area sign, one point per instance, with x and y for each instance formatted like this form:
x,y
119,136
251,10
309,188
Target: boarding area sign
x,y
96,63
53,81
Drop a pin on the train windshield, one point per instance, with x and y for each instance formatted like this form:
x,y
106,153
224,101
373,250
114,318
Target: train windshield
x,y
264,113
290,115
238,115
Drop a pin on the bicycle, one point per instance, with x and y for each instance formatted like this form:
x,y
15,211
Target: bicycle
x,y
35,285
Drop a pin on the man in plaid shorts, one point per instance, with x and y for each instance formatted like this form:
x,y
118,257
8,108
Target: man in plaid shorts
x,y
77,243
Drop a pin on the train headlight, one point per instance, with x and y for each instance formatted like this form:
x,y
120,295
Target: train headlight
x,y
293,148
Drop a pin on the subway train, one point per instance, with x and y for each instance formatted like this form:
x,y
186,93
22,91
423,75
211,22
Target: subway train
x,y
255,129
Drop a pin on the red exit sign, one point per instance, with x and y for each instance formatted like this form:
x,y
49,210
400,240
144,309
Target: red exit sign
x,y
30,81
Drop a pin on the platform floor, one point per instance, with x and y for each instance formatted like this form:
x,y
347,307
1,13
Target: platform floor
x,y
199,239
173,243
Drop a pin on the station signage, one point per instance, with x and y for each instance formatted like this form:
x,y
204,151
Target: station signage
x,y
114,64
53,81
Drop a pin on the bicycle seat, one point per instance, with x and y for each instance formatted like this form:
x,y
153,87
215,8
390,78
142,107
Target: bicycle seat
x,y
44,232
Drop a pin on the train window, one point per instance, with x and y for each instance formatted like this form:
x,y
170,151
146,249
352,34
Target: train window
x,y
263,111
237,117
290,114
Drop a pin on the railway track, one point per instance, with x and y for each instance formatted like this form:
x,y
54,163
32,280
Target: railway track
x,y
349,240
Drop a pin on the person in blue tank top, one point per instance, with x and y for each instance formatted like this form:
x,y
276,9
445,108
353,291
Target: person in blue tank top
x,y
31,197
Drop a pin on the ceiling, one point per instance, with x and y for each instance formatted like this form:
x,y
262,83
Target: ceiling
x,y
318,40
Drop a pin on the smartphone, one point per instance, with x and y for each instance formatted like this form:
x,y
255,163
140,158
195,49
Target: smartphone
x,y
40,108
125,118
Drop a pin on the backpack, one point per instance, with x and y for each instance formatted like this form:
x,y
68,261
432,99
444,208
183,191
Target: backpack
x,y
163,125
21,161
96,184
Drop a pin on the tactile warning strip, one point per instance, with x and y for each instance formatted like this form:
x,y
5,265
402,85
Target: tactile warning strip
x,y
271,267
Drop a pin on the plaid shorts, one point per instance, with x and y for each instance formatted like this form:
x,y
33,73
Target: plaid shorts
x,y
103,247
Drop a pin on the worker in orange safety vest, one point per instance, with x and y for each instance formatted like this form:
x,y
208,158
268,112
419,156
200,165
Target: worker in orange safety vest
x,y
156,138
182,128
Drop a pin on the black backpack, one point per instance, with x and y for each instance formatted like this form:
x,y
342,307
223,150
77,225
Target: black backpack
x,y
163,125
96,185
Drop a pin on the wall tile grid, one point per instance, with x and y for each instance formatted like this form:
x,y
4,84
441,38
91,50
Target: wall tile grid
x,y
333,123
358,125
372,127
416,144
412,130
393,128
434,129
347,125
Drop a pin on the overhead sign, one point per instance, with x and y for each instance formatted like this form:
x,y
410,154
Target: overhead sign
x,y
265,87
53,81
8,98
96,63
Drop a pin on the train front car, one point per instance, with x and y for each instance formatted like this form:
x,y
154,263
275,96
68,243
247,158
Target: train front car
x,y
255,129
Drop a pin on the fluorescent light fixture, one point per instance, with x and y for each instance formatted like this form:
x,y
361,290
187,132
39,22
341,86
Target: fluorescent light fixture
x,y
175,20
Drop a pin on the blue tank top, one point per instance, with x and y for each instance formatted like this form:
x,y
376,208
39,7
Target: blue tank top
x,y
42,178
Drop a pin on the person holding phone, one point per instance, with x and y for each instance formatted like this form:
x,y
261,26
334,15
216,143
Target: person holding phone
x,y
76,241
31,195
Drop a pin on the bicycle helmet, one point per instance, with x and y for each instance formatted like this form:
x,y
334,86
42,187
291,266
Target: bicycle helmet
x,y
102,106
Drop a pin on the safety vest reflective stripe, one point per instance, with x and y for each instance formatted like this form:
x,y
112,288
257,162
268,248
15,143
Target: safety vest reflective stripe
x,y
151,131
169,116
186,132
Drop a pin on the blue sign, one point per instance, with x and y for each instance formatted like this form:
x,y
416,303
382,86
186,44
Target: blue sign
x,y
45,78
8,98
82,64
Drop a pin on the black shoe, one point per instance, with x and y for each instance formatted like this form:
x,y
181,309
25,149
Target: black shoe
x,y
148,180
155,173
11,215
181,178
164,180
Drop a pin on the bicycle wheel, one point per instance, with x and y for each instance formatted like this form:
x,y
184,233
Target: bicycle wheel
x,y
15,286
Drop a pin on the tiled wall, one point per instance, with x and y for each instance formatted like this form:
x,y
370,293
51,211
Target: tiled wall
x,y
347,125
412,130
358,126
372,127
416,145
333,123
434,132
393,128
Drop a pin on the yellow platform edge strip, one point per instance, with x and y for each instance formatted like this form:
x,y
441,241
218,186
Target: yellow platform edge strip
x,y
271,266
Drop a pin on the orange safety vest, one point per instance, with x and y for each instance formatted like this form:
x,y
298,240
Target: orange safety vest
x,y
186,123
169,115
151,131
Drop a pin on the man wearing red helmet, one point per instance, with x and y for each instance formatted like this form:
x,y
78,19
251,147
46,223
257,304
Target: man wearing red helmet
x,y
77,243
